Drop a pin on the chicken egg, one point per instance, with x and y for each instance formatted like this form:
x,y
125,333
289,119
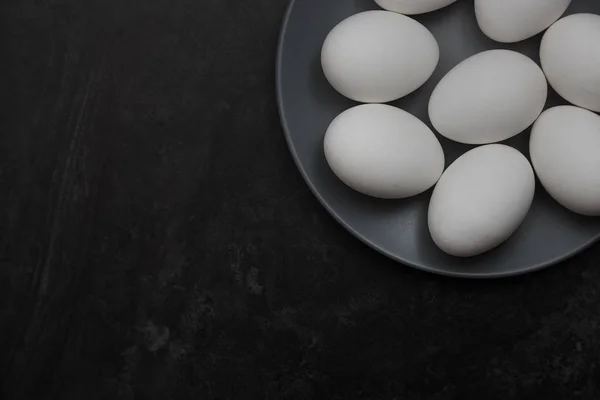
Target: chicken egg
x,y
383,151
413,6
565,152
570,56
510,21
378,56
480,200
489,97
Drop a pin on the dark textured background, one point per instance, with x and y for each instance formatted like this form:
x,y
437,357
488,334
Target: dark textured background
x,y
157,242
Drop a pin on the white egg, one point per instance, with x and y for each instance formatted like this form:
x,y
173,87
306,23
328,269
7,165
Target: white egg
x,y
383,151
413,6
480,200
378,56
570,56
489,97
510,21
565,152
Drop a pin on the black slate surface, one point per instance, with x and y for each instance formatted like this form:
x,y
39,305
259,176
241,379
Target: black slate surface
x,y
157,242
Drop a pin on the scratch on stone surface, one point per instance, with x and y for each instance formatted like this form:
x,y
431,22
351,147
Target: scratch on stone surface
x,y
65,184
252,282
62,201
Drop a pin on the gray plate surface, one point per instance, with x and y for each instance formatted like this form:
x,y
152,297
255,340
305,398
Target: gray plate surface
x,y
398,229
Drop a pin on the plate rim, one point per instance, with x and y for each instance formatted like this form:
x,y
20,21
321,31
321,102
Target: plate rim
x,y
357,235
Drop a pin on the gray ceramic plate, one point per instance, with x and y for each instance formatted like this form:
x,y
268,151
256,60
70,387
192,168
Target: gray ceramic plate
x,y
398,229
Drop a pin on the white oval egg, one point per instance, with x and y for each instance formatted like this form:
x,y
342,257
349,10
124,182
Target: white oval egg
x,y
480,200
413,6
510,21
489,97
378,56
565,152
383,151
570,56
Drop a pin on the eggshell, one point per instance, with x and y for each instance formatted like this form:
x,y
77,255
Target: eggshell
x,y
378,56
510,21
480,200
383,151
489,97
413,6
565,152
570,56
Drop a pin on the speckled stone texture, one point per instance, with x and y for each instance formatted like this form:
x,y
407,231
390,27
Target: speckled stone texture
x,y
157,242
